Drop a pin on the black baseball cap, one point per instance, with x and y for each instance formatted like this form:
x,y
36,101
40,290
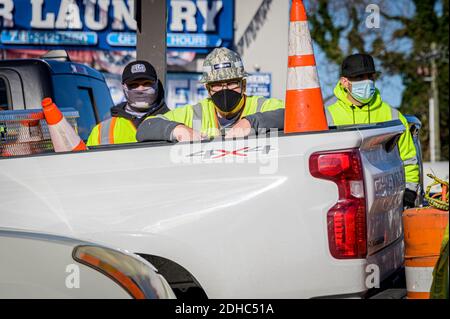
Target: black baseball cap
x,y
139,70
358,64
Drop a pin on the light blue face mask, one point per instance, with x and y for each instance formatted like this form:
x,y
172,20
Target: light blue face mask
x,y
363,91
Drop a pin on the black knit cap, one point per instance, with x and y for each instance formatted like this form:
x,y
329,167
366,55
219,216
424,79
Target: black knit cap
x,y
357,64
139,70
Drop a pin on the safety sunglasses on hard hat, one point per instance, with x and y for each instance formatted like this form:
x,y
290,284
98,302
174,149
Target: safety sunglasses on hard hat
x,y
219,86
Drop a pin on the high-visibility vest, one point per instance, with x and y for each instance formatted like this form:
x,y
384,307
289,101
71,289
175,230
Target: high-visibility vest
x,y
202,117
440,286
116,130
343,112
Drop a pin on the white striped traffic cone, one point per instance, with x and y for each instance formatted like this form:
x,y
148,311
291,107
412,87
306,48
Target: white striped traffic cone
x,y
304,103
64,137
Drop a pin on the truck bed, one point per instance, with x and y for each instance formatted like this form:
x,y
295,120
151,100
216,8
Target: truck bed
x,y
244,217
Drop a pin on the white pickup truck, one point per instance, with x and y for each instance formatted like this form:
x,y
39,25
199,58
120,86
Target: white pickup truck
x,y
313,215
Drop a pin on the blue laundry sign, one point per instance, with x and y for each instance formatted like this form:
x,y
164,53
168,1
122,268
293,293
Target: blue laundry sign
x,y
194,25
185,88
48,37
260,84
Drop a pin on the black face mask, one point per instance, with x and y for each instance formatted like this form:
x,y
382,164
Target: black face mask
x,y
226,100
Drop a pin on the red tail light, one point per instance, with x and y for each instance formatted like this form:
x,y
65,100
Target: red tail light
x,y
347,234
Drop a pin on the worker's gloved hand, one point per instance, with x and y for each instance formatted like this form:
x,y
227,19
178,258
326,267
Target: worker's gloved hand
x,y
242,128
409,199
183,133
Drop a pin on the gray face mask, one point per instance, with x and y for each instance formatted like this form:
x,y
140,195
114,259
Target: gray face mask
x,y
141,99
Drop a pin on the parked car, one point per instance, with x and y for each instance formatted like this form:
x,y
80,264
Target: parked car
x,y
41,265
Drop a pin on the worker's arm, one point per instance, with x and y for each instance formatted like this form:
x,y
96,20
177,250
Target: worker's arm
x,y
264,121
270,117
161,127
156,129
409,156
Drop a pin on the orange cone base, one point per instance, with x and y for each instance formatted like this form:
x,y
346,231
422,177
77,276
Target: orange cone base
x,y
417,295
304,111
80,147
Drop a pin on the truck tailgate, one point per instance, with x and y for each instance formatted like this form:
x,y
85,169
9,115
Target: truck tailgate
x,y
385,184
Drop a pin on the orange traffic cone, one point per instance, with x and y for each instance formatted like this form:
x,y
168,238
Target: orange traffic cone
x,y
304,103
424,232
64,137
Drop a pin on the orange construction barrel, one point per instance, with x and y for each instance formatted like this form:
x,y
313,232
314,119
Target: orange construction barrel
x,y
424,232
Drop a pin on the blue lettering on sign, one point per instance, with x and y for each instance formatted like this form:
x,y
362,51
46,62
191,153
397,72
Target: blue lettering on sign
x,y
121,39
49,37
195,25
175,40
260,84
185,88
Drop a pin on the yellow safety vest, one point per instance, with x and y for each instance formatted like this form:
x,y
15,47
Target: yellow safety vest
x,y
343,112
202,117
116,130
440,286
